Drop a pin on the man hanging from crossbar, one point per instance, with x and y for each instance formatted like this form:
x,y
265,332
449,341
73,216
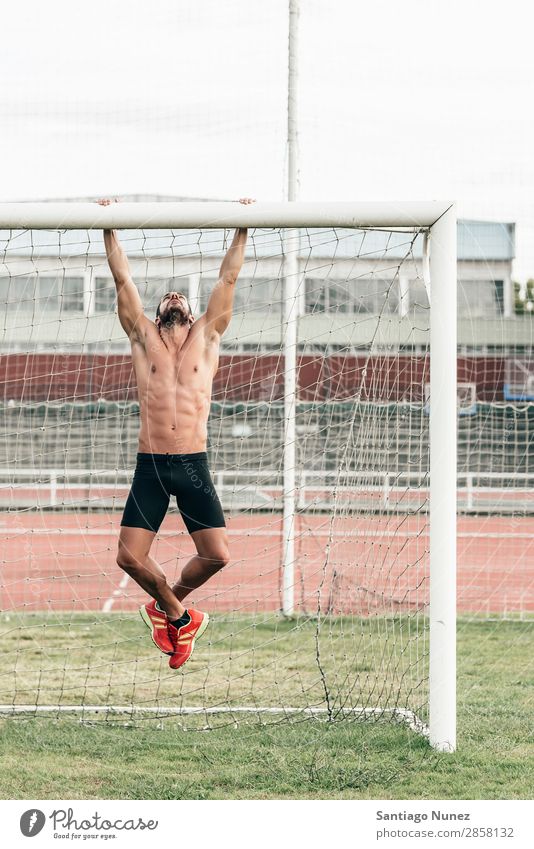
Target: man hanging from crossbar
x,y
175,358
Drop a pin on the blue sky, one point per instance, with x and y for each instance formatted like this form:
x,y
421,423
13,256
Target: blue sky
x,y
406,100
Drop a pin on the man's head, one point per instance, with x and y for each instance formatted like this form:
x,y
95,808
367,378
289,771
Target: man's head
x,y
173,309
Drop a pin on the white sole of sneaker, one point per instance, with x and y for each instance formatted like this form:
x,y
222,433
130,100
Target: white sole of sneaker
x,y
205,623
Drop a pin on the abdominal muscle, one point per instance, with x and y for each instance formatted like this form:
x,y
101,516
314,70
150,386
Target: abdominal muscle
x,y
174,398
169,427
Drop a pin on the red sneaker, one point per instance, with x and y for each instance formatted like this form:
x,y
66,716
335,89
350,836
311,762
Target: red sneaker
x,y
157,621
184,638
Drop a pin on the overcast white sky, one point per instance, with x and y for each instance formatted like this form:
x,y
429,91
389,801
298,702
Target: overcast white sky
x,y
400,100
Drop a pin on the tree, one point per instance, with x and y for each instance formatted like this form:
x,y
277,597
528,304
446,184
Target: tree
x,y
524,304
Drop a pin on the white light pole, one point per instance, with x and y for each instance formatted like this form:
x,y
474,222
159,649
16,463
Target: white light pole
x,y
290,327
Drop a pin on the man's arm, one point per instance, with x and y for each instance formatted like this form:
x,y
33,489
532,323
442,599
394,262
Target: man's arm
x,y
129,303
219,311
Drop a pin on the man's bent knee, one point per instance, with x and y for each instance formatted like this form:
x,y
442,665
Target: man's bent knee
x,y
217,560
133,548
127,560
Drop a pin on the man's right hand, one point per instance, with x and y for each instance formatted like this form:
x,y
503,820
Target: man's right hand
x,y
107,202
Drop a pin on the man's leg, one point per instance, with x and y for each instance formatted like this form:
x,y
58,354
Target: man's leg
x,y
212,555
176,635
133,556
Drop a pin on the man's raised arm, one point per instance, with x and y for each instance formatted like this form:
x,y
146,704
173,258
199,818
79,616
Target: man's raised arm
x,y
219,311
130,307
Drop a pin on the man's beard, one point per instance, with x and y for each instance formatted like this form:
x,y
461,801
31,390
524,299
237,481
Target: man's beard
x,y
174,316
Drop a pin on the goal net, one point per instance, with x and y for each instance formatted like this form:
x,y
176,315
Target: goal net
x,y
319,447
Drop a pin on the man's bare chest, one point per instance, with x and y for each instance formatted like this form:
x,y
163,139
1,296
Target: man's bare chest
x,y
189,367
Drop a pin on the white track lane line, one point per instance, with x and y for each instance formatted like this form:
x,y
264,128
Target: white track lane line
x,y
108,604
310,532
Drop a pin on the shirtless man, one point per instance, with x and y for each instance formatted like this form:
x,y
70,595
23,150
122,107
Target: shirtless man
x,y
175,359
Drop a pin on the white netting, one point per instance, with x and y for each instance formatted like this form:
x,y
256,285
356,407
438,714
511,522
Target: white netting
x,y
358,643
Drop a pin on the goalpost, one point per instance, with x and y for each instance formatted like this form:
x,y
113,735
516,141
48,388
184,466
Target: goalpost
x,y
330,402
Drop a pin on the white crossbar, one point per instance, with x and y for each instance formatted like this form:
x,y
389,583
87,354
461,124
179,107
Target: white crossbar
x,y
210,215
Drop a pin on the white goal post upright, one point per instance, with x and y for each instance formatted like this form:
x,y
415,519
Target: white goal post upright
x,y
443,424
439,218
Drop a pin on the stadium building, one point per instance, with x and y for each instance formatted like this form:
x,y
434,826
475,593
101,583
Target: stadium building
x,y
363,308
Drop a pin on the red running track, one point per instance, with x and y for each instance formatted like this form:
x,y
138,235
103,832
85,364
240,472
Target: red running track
x,y
375,564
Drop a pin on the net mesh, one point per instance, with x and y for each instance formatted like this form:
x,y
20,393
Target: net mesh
x,y
358,643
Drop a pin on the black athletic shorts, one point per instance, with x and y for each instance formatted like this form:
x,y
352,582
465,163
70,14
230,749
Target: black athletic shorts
x,y
157,477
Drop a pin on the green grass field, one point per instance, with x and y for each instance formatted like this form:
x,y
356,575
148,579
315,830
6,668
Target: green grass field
x,y
171,758
266,660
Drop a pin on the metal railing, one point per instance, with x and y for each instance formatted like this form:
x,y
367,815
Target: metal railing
x,y
56,488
